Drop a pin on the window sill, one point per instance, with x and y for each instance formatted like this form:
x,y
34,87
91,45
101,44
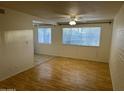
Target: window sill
x,y
80,45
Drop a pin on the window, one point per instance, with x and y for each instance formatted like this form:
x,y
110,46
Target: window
x,y
44,35
86,36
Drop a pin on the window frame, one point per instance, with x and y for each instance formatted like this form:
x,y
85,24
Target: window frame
x,y
51,35
82,27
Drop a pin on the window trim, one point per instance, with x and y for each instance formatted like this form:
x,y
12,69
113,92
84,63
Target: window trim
x,y
51,35
82,45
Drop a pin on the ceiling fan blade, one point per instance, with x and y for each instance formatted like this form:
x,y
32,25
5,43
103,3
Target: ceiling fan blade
x,y
43,21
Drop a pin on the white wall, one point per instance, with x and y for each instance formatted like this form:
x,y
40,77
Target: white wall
x,y
89,53
117,52
16,43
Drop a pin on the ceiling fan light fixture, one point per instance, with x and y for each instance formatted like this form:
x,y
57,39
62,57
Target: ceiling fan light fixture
x,y
72,23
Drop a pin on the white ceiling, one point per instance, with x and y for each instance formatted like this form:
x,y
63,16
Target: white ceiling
x,y
60,11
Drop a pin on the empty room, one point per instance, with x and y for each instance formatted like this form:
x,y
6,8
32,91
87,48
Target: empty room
x,y
62,45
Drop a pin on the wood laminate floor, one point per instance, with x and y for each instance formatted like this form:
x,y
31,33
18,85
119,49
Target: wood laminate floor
x,y
41,58
61,73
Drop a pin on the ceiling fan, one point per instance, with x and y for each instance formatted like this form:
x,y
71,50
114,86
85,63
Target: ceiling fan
x,y
65,19
73,19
